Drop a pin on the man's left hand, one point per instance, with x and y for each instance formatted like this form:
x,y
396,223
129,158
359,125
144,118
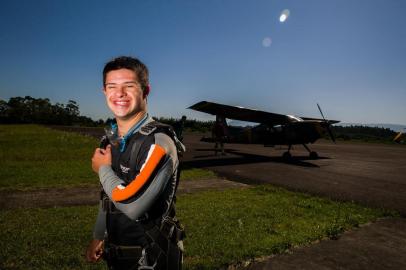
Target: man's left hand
x,y
101,157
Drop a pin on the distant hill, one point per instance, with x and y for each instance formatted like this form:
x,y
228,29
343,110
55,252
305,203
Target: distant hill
x,y
393,127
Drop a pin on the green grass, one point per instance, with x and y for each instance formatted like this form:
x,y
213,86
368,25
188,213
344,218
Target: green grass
x,y
236,225
222,228
188,174
33,156
46,238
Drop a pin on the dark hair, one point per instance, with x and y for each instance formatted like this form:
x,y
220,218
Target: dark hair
x,y
130,63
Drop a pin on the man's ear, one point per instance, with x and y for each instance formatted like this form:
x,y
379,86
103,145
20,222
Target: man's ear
x,y
147,89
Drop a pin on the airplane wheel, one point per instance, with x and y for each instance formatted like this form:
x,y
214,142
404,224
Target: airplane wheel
x,y
313,155
287,155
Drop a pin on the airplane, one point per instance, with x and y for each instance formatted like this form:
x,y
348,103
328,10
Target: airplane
x,y
273,129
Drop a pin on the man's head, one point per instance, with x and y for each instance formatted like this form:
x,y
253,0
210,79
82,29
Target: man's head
x,y
126,62
126,87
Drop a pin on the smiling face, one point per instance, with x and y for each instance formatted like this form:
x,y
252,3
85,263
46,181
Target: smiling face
x,y
124,95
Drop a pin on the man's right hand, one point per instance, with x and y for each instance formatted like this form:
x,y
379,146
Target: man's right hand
x,y
94,250
101,157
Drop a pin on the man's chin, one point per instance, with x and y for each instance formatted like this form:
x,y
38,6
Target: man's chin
x,y
122,113
125,117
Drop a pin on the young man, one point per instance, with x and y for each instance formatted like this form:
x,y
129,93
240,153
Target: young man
x,y
136,225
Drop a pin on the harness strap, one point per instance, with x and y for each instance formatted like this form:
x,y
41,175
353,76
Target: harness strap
x,y
124,251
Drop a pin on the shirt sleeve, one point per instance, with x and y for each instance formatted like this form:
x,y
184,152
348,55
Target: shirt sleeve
x,y
144,201
100,227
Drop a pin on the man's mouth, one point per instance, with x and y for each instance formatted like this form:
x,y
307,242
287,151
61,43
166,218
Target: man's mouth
x,y
121,103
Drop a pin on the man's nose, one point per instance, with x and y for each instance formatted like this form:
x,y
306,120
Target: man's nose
x,y
120,91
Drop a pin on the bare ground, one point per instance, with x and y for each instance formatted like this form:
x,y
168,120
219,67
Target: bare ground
x,y
55,197
368,173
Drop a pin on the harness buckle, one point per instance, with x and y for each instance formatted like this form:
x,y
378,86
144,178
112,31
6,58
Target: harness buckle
x,y
108,206
143,262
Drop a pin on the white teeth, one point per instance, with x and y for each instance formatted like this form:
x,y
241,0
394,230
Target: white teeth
x,y
121,103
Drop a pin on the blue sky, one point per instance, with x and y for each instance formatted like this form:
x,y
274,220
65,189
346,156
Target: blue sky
x,y
348,56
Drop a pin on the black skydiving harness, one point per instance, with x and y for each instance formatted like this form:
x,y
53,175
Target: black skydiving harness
x,y
163,248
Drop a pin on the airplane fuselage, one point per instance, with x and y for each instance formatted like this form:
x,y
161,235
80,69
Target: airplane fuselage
x,y
293,133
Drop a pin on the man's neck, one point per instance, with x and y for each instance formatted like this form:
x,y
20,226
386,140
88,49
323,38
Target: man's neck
x,y
124,125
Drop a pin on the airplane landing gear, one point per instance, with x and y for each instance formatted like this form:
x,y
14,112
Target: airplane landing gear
x,y
287,155
312,154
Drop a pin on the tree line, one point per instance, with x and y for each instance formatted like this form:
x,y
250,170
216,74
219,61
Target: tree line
x,y
29,110
189,124
364,133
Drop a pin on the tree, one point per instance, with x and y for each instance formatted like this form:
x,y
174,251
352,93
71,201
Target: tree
x,y
41,111
4,110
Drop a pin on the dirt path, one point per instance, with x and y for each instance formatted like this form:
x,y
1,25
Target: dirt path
x,y
56,197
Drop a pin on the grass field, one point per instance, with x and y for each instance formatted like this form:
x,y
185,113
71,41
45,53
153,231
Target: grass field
x,y
32,156
223,227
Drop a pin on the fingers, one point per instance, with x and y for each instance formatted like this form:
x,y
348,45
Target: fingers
x,y
108,149
103,151
91,256
98,152
101,157
94,251
98,255
107,152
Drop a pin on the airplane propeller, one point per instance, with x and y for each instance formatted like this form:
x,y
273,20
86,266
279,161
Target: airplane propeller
x,y
330,132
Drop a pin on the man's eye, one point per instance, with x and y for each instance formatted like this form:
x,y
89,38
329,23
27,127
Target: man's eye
x,y
111,88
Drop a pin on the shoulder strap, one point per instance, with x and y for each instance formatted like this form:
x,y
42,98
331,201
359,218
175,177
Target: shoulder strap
x,y
158,127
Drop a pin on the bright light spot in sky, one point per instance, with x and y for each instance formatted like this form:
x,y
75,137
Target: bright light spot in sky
x,y
267,42
284,15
